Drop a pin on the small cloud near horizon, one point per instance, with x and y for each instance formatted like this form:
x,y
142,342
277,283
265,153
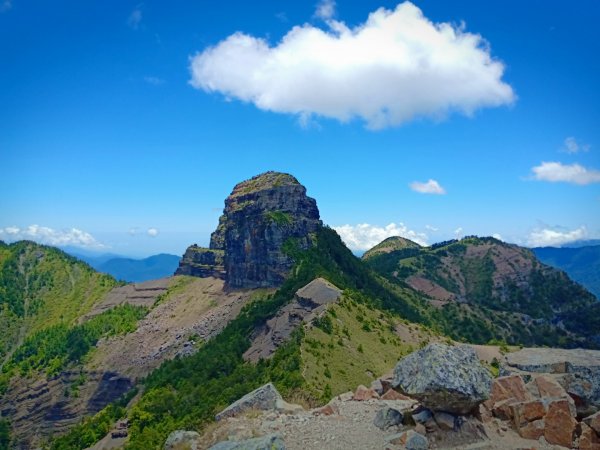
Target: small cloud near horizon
x,y
152,232
556,172
429,187
555,236
364,236
49,236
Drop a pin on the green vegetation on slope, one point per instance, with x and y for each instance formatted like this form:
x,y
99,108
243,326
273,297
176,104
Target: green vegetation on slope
x,y
501,292
42,286
187,392
390,244
350,345
52,349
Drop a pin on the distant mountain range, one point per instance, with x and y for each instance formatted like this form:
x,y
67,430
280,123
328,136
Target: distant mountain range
x,y
581,263
130,269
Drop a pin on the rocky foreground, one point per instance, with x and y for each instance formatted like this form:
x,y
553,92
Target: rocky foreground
x,y
440,397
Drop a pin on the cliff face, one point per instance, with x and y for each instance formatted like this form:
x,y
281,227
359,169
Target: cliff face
x,y
260,215
201,262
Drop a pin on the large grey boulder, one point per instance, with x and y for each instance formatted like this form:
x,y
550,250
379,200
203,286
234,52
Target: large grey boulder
x,y
264,398
268,442
182,439
444,378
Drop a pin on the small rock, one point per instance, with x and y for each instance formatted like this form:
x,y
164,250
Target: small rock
x,y
420,428
346,396
422,416
377,387
394,395
268,442
532,430
445,421
509,387
559,423
410,439
525,412
549,387
326,410
364,393
387,417
593,422
589,439
182,439
264,398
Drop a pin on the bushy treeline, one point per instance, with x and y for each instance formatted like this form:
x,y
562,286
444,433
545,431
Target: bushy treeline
x,y
52,349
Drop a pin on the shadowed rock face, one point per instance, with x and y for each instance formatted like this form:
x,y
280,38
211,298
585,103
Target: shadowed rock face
x,y
260,216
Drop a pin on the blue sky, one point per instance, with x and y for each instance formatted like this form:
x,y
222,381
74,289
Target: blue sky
x,y
124,125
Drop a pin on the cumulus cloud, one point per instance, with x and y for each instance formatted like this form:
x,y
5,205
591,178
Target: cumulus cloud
x,y
572,146
458,233
135,18
152,232
50,236
429,187
497,236
396,66
431,228
553,237
365,236
325,9
569,173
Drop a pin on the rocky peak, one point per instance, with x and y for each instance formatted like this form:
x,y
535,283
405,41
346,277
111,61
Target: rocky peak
x,y
261,214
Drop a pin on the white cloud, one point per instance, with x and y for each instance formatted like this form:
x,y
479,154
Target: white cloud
x,y
568,173
544,237
572,146
429,187
395,67
49,236
135,18
325,9
154,81
497,236
152,232
458,233
365,236
431,228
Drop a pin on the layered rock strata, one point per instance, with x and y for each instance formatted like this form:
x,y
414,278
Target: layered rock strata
x,y
261,216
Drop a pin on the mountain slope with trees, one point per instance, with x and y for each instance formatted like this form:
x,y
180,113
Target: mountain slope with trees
x,y
581,263
485,289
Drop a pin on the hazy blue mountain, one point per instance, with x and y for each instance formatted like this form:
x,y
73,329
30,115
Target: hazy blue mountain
x,y
581,263
135,270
